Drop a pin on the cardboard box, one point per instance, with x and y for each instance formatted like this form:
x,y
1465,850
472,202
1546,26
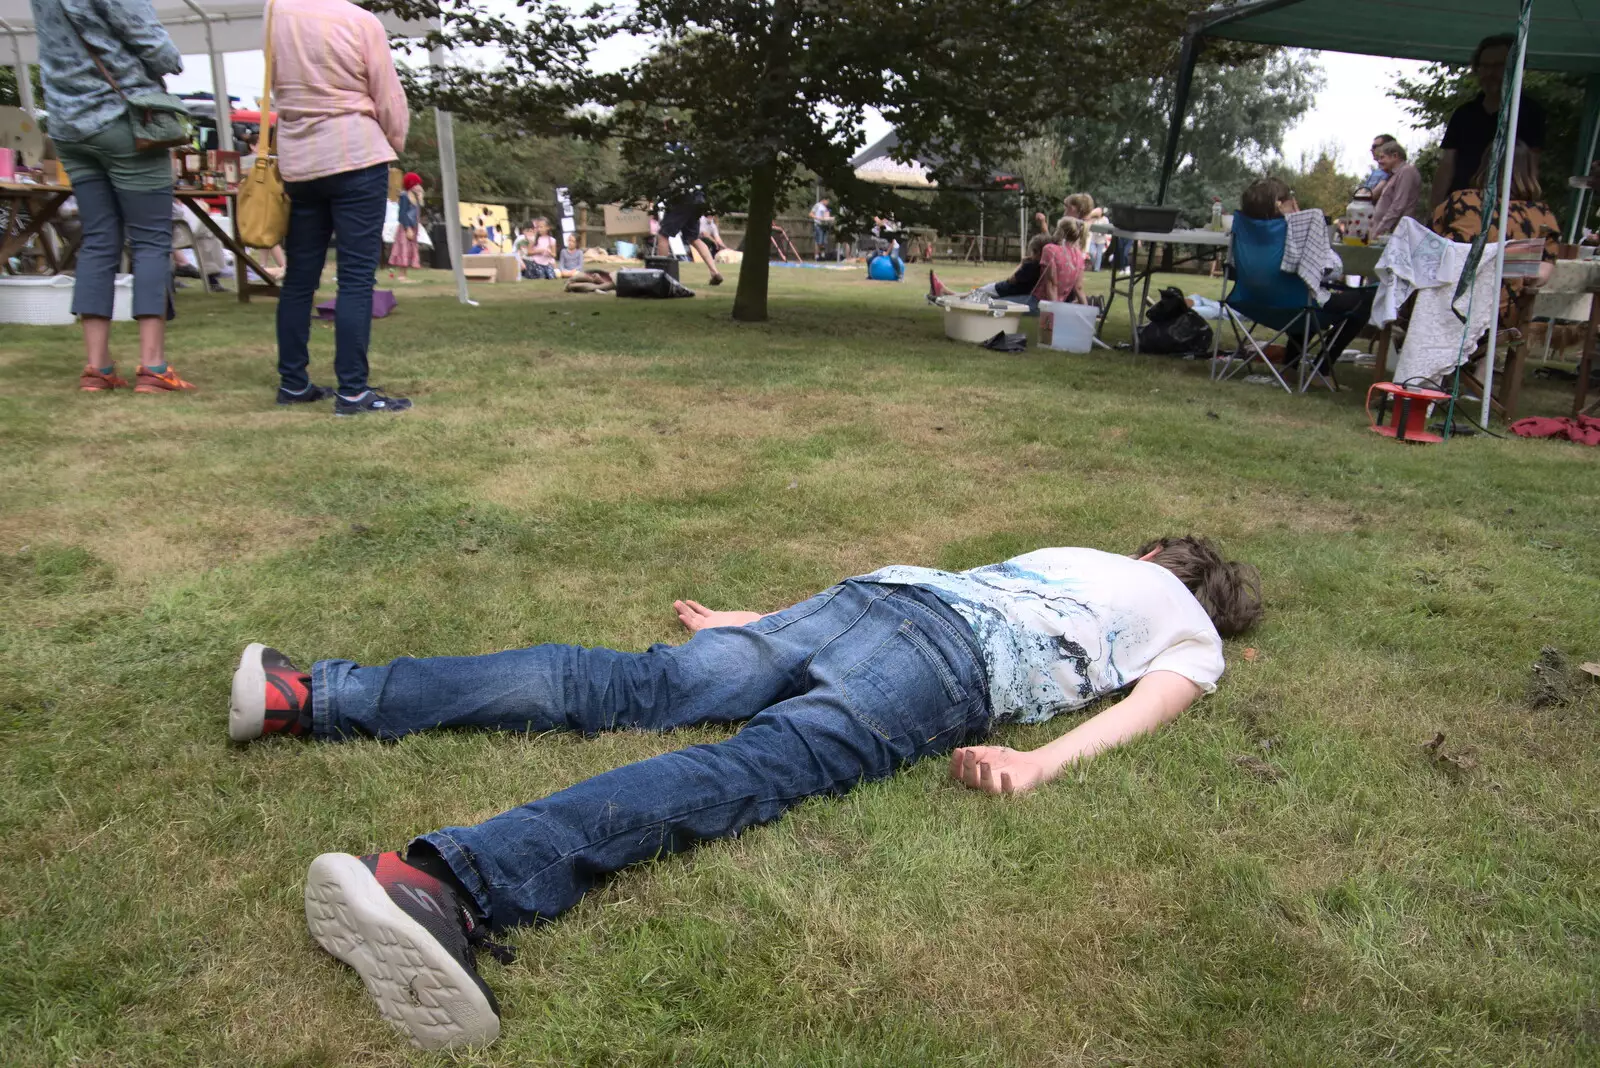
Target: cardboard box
x,y
505,265
621,221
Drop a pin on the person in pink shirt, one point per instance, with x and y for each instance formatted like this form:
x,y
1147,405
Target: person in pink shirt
x,y
342,119
1061,264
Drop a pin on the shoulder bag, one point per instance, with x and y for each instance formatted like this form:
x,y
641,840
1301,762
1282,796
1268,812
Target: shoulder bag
x,y
263,201
157,117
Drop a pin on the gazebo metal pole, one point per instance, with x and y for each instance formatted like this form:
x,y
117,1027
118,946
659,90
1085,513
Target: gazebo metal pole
x,y
219,82
24,81
1505,214
1022,223
1580,197
1180,104
445,127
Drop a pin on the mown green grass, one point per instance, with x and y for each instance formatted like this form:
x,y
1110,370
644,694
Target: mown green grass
x,y
574,464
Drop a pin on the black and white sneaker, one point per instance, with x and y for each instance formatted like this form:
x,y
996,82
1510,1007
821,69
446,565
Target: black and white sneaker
x,y
310,395
412,940
371,400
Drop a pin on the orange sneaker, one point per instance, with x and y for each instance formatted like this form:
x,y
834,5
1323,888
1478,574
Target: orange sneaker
x,y
93,380
165,382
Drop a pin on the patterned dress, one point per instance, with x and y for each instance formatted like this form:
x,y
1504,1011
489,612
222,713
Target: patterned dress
x,y
1460,218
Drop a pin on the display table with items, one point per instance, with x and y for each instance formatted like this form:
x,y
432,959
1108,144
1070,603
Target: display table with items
x,y
199,202
28,209
1203,242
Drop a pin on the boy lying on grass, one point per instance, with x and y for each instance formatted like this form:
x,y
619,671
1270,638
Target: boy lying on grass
x,y
851,685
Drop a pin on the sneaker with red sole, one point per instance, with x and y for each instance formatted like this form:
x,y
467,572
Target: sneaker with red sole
x,y
270,696
165,382
94,380
412,940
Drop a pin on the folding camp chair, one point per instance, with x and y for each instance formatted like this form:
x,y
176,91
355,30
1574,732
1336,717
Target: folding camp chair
x,y
1265,295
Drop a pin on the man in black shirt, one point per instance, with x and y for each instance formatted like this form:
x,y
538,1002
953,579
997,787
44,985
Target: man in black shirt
x,y
1470,131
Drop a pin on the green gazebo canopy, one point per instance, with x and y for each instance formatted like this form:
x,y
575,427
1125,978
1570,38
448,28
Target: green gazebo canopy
x,y
1564,36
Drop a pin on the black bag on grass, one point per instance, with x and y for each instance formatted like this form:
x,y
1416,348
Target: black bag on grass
x,y
657,284
1172,328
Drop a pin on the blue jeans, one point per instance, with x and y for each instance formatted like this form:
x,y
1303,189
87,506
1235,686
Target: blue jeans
x,y
348,209
820,234
846,687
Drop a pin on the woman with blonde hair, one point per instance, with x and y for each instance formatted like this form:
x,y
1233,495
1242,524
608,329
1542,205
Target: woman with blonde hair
x,y
1061,263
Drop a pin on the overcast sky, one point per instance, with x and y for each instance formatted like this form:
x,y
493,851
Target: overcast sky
x,y
1350,110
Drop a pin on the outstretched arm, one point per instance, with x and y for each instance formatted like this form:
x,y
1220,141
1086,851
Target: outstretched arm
x,y
697,617
1156,699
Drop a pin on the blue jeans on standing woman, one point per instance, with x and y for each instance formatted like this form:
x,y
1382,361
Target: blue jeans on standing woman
x,y
846,687
347,210
124,198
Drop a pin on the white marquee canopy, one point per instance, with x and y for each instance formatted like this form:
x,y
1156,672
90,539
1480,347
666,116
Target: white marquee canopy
x,y
215,27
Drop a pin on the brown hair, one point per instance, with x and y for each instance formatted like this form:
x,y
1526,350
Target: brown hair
x,y
1260,199
1229,591
1524,180
1036,245
1500,40
1082,203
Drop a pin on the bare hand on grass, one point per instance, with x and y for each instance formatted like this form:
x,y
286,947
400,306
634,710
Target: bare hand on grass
x,y
996,769
697,617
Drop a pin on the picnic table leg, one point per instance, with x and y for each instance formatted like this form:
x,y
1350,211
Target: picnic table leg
x,y
1581,393
241,256
13,240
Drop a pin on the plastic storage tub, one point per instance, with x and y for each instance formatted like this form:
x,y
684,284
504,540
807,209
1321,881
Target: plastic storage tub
x,y
1149,218
978,321
1068,327
47,300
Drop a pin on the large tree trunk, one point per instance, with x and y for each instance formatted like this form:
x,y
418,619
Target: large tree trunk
x,y
750,302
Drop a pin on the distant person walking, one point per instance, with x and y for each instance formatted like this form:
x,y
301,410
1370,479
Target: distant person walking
x,y
404,253
342,120
821,216
87,52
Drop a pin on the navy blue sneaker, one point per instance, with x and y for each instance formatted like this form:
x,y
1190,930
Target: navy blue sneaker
x,y
311,395
371,400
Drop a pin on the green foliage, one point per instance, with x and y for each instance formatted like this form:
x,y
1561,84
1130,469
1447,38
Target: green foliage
x,y
522,170
746,101
1318,184
1433,95
1238,115
9,97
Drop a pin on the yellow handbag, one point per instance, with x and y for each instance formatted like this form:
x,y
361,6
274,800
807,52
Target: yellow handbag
x,y
263,202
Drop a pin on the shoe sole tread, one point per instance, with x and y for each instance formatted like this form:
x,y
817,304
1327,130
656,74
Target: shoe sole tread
x,y
417,986
247,705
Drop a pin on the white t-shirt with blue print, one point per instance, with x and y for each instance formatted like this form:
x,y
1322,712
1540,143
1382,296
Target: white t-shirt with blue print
x,y
1062,627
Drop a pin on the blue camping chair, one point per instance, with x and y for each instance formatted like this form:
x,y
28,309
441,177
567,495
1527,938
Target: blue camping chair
x,y
1265,295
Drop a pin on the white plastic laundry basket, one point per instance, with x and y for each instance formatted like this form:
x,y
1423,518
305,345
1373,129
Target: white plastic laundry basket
x,y
1068,327
47,300
975,321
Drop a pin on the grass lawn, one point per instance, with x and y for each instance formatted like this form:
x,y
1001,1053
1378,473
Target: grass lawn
x,y
572,465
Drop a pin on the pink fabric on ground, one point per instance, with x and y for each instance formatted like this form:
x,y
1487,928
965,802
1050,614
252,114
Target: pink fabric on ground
x,y
1584,429
339,102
